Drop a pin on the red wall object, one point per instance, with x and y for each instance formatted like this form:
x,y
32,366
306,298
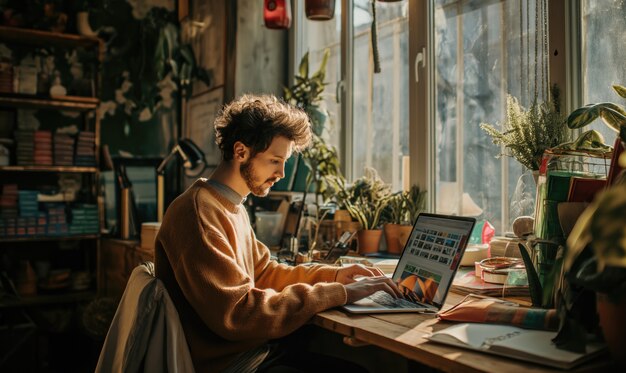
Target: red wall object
x,y
277,14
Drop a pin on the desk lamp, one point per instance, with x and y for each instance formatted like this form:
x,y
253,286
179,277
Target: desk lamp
x,y
193,163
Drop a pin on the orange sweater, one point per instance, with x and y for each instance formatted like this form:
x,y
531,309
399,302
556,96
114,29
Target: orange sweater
x,y
229,295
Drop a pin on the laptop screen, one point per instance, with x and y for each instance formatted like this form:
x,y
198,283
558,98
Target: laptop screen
x,y
431,256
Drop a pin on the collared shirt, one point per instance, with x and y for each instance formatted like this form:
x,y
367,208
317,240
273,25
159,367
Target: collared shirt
x,y
226,191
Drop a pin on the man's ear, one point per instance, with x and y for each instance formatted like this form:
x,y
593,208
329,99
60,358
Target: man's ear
x,y
241,152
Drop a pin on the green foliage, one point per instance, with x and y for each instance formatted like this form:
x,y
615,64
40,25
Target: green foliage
x,y
323,161
595,260
527,133
415,202
404,207
534,285
322,158
395,210
366,199
306,93
613,115
603,226
172,56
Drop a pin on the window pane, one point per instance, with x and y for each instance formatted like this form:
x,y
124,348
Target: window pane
x,y
318,36
603,54
478,52
380,111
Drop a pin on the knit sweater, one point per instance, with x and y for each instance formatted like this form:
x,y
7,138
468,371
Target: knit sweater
x,y
229,295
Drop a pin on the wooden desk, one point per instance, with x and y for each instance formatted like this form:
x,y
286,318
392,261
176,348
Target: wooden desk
x,y
403,333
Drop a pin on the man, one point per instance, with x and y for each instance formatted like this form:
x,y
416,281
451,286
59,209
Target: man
x,y
231,298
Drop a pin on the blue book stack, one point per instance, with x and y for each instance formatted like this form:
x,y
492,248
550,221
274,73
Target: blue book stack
x,y
85,219
27,202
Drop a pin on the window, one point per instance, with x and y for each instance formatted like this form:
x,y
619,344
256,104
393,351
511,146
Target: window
x,y
317,36
481,55
380,101
477,52
603,32
380,122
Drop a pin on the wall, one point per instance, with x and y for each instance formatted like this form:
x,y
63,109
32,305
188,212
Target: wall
x,y
261,53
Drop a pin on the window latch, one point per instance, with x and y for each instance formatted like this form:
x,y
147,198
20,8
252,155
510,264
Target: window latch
x,y
419,59
339,91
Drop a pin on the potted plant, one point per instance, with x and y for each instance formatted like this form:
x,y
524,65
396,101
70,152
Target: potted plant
x,y
399,215
527,133
367,197
321,158
595,258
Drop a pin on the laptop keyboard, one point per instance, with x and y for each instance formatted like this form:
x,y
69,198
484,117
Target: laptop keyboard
x,y
386,300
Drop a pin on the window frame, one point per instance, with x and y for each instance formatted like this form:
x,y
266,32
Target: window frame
x,y
564,70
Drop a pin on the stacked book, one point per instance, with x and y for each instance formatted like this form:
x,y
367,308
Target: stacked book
x,y
25,153
85,219
86,149
6,77
8,201
42,224
63,150
57,219
8,210
43,148
28,205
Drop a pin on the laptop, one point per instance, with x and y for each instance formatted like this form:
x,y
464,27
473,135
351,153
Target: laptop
x,y
426,267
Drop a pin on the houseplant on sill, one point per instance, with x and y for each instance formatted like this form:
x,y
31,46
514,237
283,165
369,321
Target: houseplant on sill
x,y
399,215
527,133
367,197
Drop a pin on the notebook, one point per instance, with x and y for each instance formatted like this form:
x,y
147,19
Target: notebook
x,y
529,345
426,267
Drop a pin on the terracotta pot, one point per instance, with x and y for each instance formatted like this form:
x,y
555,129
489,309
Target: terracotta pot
x,y
394,237
369,240
613,324
319,10
342,215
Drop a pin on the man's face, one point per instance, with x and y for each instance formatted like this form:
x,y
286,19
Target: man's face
x,y
266,168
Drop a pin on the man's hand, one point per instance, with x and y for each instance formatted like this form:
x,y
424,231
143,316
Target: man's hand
x,y
346,274
368,286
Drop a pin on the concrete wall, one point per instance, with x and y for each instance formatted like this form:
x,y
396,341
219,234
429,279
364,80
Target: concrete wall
x,y
261,53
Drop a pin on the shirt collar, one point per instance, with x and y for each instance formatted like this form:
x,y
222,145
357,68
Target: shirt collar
x,y
226,191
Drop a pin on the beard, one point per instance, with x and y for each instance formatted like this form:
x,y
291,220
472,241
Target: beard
x,y
248,174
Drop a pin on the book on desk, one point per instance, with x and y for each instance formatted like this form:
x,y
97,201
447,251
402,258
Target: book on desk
x,y
529,345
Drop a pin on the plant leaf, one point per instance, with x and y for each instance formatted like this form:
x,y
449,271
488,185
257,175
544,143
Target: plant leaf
x,y
303,69
613,116
583,116
534,284
620,89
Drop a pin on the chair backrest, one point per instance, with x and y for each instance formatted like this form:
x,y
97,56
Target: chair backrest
x,y
145,333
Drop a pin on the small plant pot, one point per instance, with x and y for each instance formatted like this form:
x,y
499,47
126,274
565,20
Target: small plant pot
x,y
369,240
613,324
396,236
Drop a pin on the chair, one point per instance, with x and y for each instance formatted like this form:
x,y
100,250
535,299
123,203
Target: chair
x,y
145,334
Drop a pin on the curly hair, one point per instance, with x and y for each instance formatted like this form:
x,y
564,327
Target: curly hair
x,y
255,120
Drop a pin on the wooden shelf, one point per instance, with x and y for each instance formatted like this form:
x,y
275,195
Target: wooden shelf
x,y
40,300
50,238
45,38
72,169
62,103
